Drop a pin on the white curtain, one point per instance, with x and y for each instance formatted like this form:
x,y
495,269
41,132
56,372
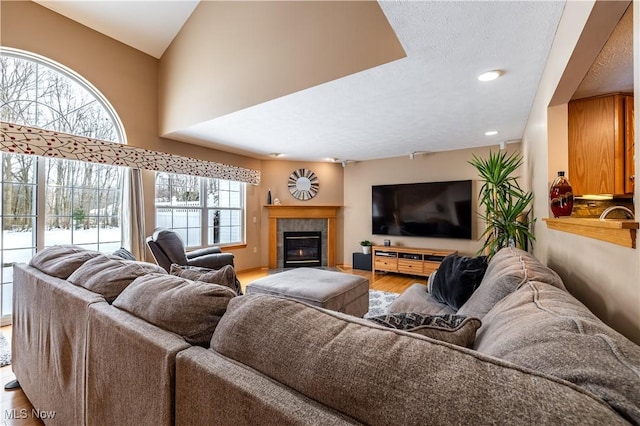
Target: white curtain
x,y
133,237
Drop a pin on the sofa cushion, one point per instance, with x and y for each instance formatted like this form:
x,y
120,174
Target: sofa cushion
x,y
377,375
456,279
546,329
417,299
454,329
509,269
108,276
60,261
225,276
188,308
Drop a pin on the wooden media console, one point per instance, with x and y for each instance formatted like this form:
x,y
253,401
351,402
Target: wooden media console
x,y
407,260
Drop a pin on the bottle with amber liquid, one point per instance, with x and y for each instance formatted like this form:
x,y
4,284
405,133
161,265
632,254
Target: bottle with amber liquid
x,y
561,196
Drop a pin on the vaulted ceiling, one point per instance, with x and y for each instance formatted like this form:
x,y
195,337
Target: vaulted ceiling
x,y
429,100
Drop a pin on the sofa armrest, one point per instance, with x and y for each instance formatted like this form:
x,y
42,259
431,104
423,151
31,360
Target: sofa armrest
x,y
212,261
48,348
212,389
202,252
130,365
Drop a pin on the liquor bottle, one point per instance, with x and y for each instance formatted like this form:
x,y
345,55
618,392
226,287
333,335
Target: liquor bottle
x,y
561,196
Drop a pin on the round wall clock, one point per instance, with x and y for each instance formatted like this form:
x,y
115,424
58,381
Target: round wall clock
x,y
303,184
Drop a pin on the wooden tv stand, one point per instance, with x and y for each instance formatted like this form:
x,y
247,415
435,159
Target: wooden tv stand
x,y
407,260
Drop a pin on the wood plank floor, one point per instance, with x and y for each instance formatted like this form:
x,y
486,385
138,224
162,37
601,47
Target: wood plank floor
x,y
12,402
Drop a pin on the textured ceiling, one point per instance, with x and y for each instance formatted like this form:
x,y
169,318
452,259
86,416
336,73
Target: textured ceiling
x,y
612,71
429,101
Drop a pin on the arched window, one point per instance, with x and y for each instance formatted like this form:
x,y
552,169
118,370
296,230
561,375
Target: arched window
x,y
50,201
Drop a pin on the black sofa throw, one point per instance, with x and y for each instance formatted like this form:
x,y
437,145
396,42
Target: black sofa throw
x,y
456,279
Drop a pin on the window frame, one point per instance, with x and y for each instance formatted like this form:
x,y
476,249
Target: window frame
x,y
40,165
204,210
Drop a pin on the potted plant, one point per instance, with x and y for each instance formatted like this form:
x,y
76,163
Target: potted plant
x,y
366,246
505,203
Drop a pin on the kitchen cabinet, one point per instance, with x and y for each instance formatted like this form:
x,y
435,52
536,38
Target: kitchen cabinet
x,y
601,145
630,168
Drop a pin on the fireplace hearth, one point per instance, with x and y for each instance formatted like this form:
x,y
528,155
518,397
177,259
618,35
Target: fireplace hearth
x,y
302,249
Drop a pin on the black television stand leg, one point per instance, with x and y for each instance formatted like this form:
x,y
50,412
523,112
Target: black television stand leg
x,y
12,385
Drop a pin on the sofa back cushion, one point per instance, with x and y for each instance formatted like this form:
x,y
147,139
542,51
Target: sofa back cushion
x,y
382,376
509,269
546,329
60,261
188,308
225,276
108,276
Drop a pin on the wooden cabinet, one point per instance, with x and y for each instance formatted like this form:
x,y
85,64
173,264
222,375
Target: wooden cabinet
x,y
601,145
407,260
630,149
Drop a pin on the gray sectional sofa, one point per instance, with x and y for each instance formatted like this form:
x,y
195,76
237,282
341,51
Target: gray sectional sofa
x,y
539,357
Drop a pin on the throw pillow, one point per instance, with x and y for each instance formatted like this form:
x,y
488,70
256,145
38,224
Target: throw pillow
x,y
191,309
456,279
108,276
60,261
225,276
123,253
450,328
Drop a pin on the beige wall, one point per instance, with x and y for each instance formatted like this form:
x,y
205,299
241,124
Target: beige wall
x,y
128,79
604,276
233,55
441,166
275,176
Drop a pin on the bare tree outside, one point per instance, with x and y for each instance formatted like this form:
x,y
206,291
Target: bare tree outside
x,y
82,201
79,195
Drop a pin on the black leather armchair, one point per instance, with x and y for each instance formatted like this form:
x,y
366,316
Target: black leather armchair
x,y
167,248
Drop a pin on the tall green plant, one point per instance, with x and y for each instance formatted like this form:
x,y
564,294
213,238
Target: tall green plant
x,y
506,204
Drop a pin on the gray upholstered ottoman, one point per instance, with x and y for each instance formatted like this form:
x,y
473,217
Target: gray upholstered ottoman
x,y
336,291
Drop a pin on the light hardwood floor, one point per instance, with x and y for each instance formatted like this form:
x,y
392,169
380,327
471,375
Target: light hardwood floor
x,y
394,283
13,402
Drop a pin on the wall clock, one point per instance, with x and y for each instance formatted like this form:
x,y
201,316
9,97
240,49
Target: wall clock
x,y
303,184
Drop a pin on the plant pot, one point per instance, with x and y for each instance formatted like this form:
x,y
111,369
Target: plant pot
x,y
366,249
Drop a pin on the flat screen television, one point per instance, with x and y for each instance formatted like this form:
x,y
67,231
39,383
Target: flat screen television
x,y
429,209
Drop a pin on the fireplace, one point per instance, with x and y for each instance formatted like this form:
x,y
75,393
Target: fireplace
x,y
280,218
302,249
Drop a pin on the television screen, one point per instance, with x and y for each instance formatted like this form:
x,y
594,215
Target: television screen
x,y
430,209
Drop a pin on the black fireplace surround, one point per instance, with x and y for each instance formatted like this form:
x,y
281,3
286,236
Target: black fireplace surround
x,y
302,249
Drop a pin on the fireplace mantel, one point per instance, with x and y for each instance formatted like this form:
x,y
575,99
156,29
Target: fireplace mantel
x,y
302,212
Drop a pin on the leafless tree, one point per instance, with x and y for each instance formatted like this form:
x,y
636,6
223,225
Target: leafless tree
x,y
88,194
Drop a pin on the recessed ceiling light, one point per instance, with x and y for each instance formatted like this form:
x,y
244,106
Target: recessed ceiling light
x,y
491,133
490,75
275,154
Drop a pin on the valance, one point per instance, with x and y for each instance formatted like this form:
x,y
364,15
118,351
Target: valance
x,y
20,139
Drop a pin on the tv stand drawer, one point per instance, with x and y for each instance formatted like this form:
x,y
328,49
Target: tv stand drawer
x,y
386,263
412,267
408,260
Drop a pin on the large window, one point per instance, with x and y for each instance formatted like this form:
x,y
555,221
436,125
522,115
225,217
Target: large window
x,y
53,201
202,211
